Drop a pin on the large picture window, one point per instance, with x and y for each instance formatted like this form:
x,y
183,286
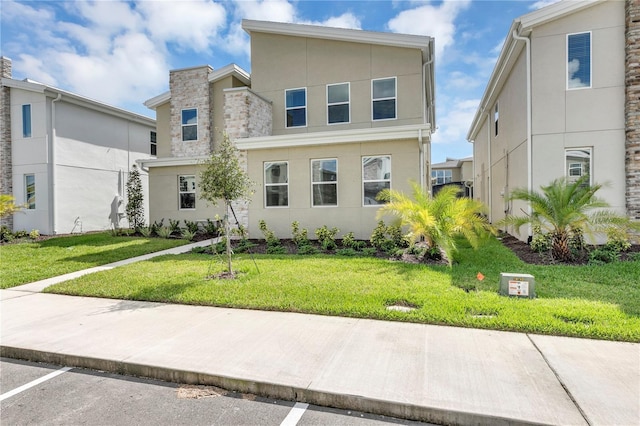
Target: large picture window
x,y
190,124
276,184
579,60
30,191
383,98
324,182
440,177
578,164
338,103
296,107
187,192
376,176
26,121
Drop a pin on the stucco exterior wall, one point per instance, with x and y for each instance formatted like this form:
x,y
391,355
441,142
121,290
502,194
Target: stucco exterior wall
x,y
163,124
349,215
284,62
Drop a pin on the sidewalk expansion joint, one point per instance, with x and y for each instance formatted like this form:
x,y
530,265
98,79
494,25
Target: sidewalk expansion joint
x,y
564,386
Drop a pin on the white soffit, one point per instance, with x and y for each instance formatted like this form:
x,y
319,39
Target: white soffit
x,y
172,161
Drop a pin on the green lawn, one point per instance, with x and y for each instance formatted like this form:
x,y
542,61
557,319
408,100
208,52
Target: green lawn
x,y
600,302
28,262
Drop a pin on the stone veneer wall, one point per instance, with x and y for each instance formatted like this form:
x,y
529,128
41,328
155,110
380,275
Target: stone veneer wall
x,y
246,115
6,179
632,107
190,89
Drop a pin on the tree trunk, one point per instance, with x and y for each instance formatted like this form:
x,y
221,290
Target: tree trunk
x,y
560,247
227,233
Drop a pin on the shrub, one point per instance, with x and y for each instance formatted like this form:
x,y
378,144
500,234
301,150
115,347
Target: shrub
x,y
378,235
369,251
145,231
617,240
273,242
163,232
34,234
187,234
155,226
540,242
348,241
174,225
212,227
346,252
192,226
6,235
307,250
300,236
327,237
276,249
243,246
603,255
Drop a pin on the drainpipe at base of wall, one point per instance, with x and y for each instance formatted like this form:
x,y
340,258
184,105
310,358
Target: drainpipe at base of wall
x,y
53,217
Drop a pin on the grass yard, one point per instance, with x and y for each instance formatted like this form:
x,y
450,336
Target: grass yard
x,y
600,302
28,262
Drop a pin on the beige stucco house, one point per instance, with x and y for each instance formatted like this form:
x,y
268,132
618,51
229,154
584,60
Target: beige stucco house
x,y
66,158
327,119
561,102
453,171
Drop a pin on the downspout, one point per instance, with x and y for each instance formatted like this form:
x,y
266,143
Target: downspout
x,y
52,182
527,42
424,120
421,159
489,162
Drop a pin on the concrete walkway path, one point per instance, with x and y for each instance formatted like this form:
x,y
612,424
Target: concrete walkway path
x,y
439,374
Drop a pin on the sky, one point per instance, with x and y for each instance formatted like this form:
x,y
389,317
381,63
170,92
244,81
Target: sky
x,y
120,52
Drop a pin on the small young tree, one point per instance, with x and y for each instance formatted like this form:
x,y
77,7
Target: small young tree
x,y
8,205
224,179
135,207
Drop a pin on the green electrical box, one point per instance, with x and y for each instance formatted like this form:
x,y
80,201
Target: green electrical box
x,y
517,285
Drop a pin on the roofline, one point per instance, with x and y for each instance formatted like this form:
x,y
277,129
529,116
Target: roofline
x,y
523,25
215,75
78,100
424,43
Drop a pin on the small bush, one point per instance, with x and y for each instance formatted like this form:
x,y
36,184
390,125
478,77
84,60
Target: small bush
x,y
369,251
617,240
6,235
192,226
300,236
348,240
212,227
174,225
187,234
273,242
145,231
327,237
243,246
346,252
155,226
603,255
307,250
34,234
541,242
378,236
163,232
276,249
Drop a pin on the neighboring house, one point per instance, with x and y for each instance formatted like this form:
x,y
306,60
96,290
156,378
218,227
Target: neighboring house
x,y
562,101
454,171
327,119
66,158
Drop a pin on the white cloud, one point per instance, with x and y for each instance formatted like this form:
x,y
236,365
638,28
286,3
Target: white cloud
x,y
542,3
430,20
346,20
454,123
457,80
265,10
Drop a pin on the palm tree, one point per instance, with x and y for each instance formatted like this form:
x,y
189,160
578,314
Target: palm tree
x,y
566,210
439,220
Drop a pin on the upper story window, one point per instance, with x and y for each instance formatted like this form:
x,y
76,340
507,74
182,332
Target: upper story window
x,y
30,191
26,121
496,116
296,107
440,177
579,60
190,124
324,182
153,142
276,184
187,192
383,99
578,163
338,103
376,176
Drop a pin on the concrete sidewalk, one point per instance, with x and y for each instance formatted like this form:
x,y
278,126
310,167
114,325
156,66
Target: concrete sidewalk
x,y
439,374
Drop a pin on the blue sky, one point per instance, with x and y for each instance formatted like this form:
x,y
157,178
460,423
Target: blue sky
x,y
120,52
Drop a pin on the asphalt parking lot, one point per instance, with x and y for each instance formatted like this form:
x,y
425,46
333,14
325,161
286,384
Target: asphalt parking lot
x,y
33,393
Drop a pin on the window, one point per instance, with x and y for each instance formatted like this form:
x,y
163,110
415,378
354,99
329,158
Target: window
x,y
296,107
440,177
579,60
189,124
153,142
30,191
276,184
338,103
26,121
324,182
383,97
187,192
376,176
496,115
578,163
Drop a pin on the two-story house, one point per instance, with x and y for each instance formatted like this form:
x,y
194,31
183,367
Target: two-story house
x,y
453,171
66,158
562,101
327,119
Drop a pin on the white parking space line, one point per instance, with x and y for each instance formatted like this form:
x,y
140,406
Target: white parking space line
x,y
295,414
34,383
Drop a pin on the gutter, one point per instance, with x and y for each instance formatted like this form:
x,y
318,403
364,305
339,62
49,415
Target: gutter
x,y
53,217
421,156
527,41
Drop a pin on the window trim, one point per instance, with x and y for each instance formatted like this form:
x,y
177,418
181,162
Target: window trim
x,y
323,182
444,176
590,61
306,105
348,103
180,192
26,123
29,206
363,181
395,98
153,143
182,125
264,177
496,117
566,165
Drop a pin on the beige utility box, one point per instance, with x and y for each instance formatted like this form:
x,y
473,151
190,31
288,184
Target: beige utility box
x,y
518,285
